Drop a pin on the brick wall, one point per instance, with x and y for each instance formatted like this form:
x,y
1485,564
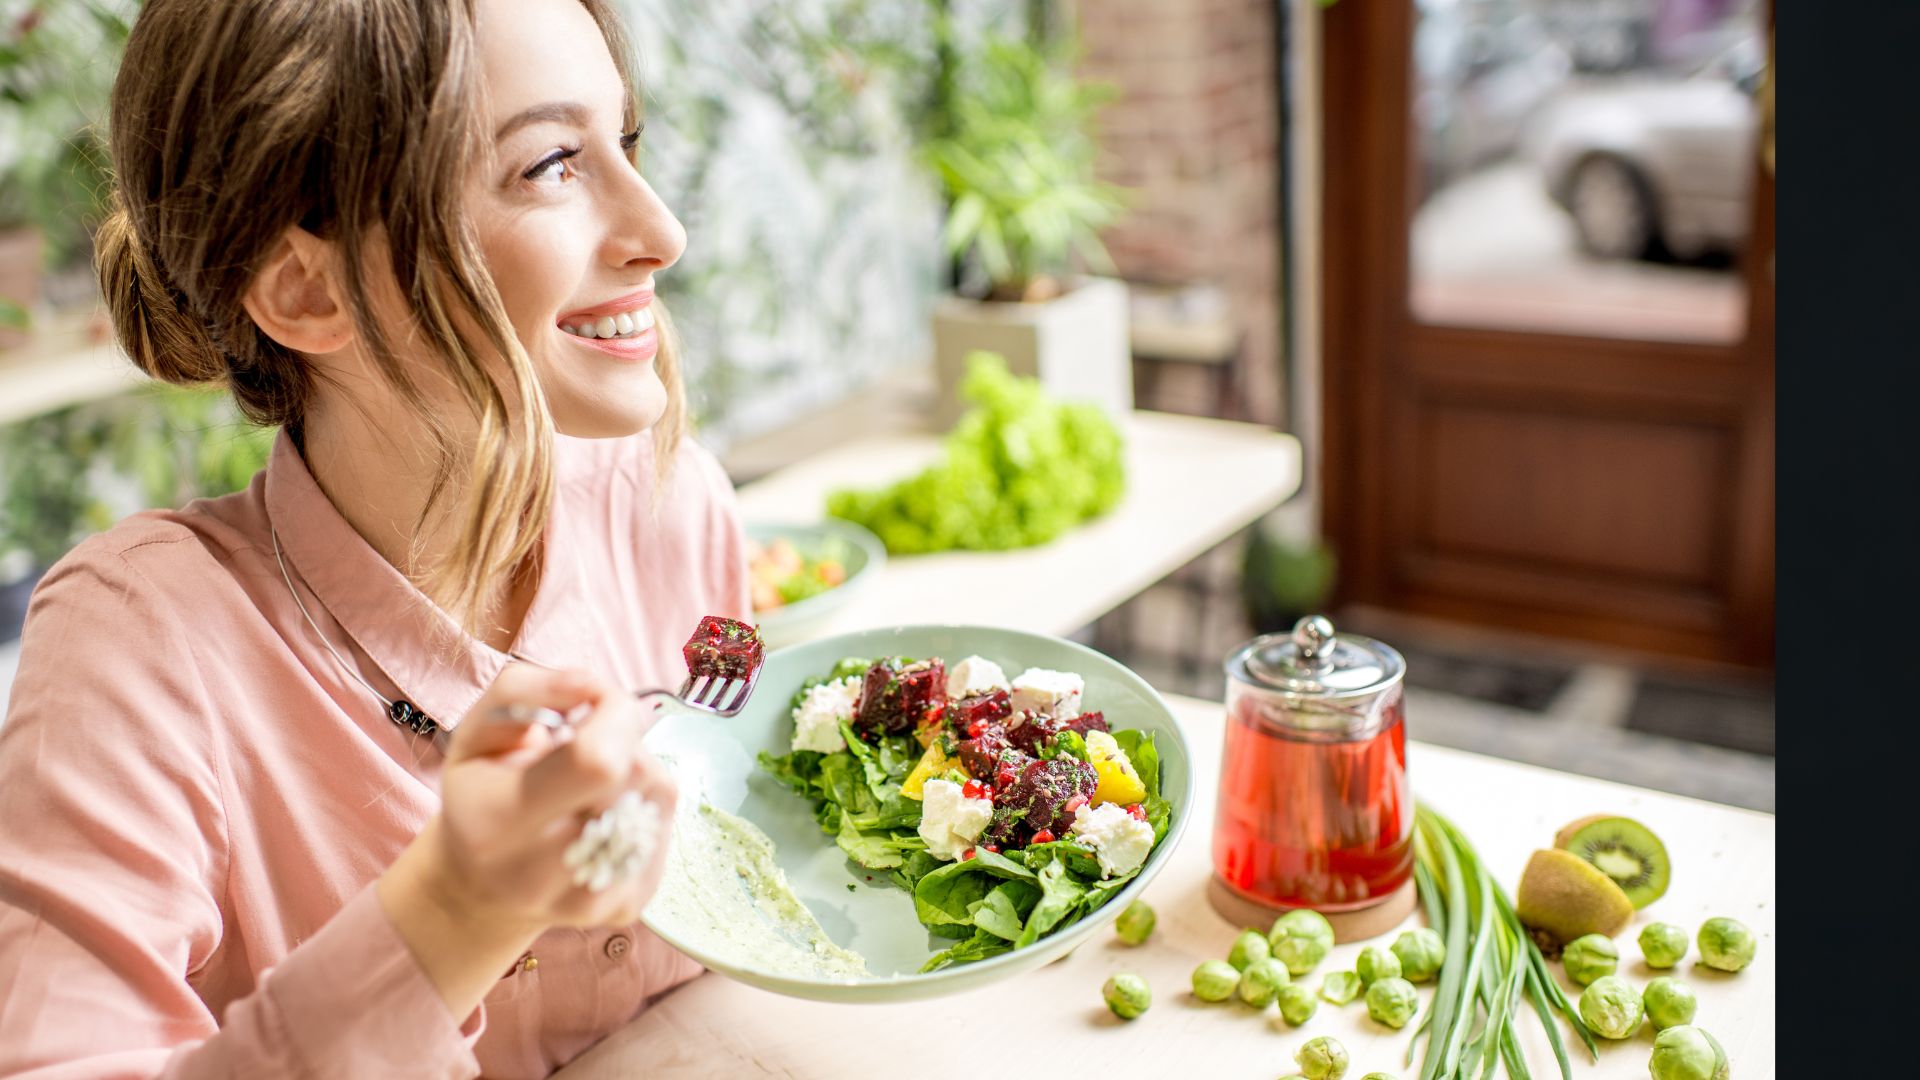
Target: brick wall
x,y
1195,132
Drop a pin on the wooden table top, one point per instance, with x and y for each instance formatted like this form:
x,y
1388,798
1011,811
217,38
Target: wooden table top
x,y
1192,483
1052,1022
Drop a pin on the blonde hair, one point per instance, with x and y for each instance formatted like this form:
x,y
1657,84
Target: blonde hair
x,y
232,120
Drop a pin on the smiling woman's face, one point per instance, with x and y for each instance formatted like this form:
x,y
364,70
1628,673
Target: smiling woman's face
x,y
571,232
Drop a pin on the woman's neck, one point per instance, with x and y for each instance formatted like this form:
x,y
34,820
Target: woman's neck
x,y
378,471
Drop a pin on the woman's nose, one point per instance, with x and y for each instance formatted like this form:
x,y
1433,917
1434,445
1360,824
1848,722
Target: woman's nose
x,y
643,231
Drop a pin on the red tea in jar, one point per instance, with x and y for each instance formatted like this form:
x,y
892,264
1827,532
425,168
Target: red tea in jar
x,y
1315,806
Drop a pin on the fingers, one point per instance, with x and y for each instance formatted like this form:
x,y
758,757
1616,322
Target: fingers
x,y
594,766
491,727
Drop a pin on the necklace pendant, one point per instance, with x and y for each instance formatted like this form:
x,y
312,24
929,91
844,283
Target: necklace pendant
x,y
404,713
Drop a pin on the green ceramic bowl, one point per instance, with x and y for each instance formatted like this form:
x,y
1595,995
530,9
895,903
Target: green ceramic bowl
x,y
876,918
859,551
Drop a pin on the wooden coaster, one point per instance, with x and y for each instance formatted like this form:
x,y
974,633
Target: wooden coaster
x,y
1356,925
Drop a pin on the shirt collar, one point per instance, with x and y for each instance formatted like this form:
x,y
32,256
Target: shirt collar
x,y
419,647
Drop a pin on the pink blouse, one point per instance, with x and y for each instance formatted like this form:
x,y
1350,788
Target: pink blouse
x,y
195,797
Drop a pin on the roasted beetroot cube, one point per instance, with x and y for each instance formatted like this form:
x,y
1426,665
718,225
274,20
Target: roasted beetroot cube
x,y
1030,730
1038,797
992,707
723,649
1085,722
981,754
895,697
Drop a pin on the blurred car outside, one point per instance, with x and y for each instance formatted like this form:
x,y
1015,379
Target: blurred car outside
x,y
1648,163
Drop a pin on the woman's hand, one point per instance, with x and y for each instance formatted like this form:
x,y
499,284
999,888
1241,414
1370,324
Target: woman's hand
x,y
487,875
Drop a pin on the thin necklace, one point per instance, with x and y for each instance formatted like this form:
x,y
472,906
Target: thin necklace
x,y
399,710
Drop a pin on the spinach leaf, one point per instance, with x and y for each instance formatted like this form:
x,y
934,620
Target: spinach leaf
x,y
1068,743
982,944
943,898
873,851
1144,755
918,864
1060,896
1002,912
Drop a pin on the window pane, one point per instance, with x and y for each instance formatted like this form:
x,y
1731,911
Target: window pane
x,y
1585,165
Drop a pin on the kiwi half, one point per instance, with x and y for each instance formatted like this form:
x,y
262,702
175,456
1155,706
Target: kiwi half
x,y
1563,897
1625,851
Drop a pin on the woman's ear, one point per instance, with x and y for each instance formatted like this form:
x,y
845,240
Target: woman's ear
x,y
295,298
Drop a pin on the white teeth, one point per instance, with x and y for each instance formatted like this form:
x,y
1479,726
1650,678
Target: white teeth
x,y
626,324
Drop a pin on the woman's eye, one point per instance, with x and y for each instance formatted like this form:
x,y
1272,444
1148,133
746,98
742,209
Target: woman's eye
x,y
552,167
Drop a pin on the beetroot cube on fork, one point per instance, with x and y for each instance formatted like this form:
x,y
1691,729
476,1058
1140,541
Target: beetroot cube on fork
x,y
723,649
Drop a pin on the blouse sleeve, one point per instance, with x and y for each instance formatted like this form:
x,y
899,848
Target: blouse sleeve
x,y
113,864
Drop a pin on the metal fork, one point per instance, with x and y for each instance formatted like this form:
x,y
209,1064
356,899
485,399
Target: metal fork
x,y
705,694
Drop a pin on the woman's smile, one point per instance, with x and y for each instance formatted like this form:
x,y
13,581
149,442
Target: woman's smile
x,y
622,328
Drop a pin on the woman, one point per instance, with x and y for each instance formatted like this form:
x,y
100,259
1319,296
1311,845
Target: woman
x,y
266,804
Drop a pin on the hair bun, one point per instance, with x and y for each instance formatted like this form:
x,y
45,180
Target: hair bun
x,y
164,340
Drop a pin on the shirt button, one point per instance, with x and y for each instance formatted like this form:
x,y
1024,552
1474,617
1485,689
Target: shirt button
x,y
617,946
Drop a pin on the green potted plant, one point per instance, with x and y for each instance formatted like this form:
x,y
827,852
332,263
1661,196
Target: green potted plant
x,y
66,474
57,61
1013,148
1282,581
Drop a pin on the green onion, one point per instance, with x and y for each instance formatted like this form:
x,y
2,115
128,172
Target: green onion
x,y
1491,966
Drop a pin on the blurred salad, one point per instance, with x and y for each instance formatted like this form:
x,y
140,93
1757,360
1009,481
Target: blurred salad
x,y
1003,808
1020,469
781,575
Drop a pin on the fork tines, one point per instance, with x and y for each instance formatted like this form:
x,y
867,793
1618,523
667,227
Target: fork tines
x,y
723,696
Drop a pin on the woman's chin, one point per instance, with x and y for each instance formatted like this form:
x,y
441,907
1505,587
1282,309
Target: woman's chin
x,y
609,412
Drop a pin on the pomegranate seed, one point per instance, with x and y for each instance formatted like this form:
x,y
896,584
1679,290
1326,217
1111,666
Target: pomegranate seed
x,y
967,854
976,729
1138,812
995,848
1044,836
974,789
1076,803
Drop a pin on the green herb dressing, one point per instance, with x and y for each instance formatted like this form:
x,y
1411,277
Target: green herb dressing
x,y
723,895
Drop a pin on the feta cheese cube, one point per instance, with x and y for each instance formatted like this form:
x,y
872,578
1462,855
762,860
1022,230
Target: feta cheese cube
x,y
816,722
975,675
1118,839
1056,693
950,822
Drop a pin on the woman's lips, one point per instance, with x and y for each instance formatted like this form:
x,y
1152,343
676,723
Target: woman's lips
x,y
623,328
637,348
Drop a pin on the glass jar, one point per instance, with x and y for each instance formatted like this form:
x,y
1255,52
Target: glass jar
x,y
1315,807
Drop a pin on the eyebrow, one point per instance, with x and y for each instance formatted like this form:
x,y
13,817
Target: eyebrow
x,y
559,112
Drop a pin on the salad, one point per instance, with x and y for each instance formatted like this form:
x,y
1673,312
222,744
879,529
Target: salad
x,y
1006,810
782,575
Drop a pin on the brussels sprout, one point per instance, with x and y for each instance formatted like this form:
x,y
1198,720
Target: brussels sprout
x,y
1587,958
1127,996
1377,1076
1687,1053
1611,1007
1215,980
1261,982
1392,1001
1297,1003
1420,952
1251,945
1322,1059
1135,923
1300,939
1668,1003
1376,963
1726,944
1341,987
1663,944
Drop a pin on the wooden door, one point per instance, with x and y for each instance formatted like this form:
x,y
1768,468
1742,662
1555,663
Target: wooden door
x,y
1581,470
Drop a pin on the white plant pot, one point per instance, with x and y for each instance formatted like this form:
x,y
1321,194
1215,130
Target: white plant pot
x,y
1076,345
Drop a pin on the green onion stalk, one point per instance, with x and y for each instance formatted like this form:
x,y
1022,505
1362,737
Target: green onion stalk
x,y
1492,967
